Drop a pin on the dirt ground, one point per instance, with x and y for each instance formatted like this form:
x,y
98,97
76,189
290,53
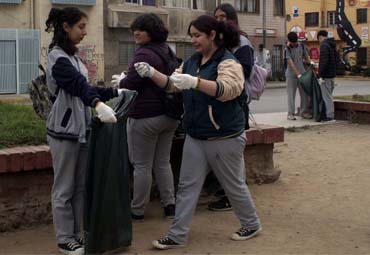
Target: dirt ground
x,y
320,205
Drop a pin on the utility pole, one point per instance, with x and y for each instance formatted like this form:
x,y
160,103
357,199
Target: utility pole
x,y
264,23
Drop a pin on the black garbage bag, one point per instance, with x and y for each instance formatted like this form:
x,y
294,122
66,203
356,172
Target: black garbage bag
x,y
107,217
311,87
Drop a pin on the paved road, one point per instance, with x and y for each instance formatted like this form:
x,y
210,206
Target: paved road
x,y
275,100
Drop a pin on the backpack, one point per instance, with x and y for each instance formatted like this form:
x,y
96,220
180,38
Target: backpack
x,y
42,99
173,102
256,83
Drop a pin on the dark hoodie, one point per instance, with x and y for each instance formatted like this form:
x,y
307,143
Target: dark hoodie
x,y
328,59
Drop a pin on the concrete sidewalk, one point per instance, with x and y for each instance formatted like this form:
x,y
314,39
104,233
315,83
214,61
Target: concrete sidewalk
x,y
280,119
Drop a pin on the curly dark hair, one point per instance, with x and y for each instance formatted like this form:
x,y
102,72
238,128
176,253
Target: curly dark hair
x,y
54,23
153,25
227,34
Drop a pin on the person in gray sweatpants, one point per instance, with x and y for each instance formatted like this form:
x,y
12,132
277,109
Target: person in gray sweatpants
x,y
211,82
68,123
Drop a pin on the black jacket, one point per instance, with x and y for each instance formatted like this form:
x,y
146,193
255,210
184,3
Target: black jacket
x,y
328,59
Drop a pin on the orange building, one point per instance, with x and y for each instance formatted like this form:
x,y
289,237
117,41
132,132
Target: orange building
x,y
307,17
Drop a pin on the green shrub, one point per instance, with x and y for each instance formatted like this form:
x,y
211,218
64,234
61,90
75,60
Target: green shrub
x,y
20,125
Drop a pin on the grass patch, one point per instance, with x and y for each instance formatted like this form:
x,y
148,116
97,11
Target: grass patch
x,y
19,125
355,97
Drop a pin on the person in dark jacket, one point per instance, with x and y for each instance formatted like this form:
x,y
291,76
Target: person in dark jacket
x,y
68,122
149,130
211,81
244,53
327,71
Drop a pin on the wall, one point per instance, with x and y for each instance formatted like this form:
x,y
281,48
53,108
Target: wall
x,y
33,16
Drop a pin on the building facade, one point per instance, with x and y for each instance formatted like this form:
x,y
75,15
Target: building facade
x,y
24,42
310,16
109,46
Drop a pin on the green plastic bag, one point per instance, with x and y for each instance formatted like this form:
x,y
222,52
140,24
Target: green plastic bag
x,y
311,87
107,213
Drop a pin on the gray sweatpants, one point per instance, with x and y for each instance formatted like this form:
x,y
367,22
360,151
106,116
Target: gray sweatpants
x,y
225,158
327,88
292,85
69,164
149,145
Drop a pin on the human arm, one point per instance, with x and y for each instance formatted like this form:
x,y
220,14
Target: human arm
x,y
68,78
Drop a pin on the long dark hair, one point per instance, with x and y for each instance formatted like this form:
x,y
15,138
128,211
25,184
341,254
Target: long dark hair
x,y
227,34
153,25
231,15
54,23
230,12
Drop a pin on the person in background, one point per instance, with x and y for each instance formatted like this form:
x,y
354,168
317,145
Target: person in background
x,y
211,82
68,122
295,54
149,130
244,53
327,71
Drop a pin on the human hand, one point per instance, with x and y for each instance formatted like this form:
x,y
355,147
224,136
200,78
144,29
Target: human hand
x,y
299,76
117,78
105,113
321,81
144,69
184,81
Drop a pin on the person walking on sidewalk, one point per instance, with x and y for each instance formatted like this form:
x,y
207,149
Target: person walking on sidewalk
x,y
327,71
68,121
244,53
149,130
295,53
211,82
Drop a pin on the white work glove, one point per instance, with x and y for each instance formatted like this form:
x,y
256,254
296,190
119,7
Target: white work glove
x,y
105,113
312,63
144,69
117,78
321,81
299,76
184,81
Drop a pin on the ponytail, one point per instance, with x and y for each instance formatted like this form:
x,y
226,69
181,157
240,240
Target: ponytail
x,y
57,17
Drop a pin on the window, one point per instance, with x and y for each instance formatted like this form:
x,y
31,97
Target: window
x,y
141,2
76,2
312,19
279,8
176,3
361,57
331,19
126,52
198,4
19,59
361,15
251,6
10,1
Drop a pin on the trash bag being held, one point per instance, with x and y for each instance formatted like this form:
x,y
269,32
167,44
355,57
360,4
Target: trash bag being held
x,y
107,213
311,87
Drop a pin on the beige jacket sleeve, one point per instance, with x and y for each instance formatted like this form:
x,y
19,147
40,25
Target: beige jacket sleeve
x,y
230,80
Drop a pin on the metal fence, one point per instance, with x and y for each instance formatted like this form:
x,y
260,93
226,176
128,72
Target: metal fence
x,y
277,62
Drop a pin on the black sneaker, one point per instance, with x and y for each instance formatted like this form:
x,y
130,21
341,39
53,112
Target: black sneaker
x,y
244,234
169,211
166,243
328,120
71,248
138,218
220,193
221,205
81,241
